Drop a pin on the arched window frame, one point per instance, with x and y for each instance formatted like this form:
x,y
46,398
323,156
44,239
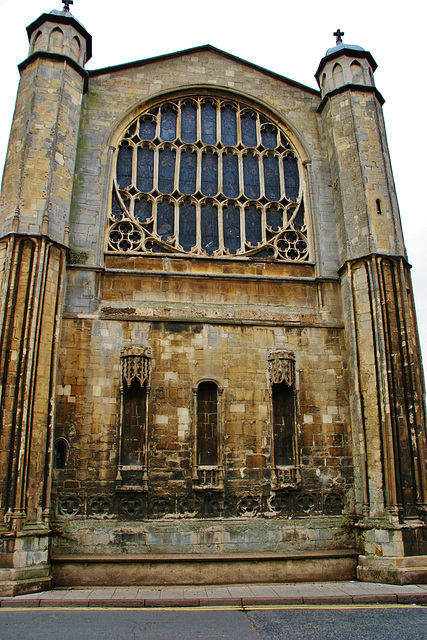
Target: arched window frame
x,y
65,446
128,232
208,477
282,370
135,366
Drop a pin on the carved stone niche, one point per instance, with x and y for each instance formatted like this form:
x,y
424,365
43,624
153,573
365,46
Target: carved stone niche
x,y
285,469
132,471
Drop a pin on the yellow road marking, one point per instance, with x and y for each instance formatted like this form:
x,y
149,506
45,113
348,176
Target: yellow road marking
x,y
222,608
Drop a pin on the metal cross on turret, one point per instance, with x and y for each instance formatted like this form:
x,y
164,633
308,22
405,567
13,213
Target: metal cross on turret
x,y
66,4
338,34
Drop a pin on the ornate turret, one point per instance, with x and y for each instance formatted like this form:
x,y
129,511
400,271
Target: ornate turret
x,y
386,374
345,64
34,217
58,32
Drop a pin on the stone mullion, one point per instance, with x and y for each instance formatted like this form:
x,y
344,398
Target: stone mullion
x,y
263,208
282,176
156,160
238,125
221,248
199,121
218,106
242,227
134,170
158,118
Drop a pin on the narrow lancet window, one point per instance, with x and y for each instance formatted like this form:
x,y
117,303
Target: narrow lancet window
x,y
207,424
285,467
133,437
207,469
283,424
133,441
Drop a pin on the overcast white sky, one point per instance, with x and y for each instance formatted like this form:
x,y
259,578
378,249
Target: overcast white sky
x,y
289,38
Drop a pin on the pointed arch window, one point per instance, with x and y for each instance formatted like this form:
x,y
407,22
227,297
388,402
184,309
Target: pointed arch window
x,y
133,434
285,459
216,168
207,444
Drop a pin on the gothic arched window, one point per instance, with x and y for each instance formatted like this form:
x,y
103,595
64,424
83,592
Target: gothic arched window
x,y
133,435
208,177
281,369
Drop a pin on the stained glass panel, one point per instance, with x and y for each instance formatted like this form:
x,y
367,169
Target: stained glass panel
x,y
187,226
147,128
124,166
249,137
228,126
275,218
165,220
290,170
208,123
251,176
166,170
209,174
188,123
187,172
269,136
142,209
230,175
231,229
271,177
209,228
168,125
145,169
253,226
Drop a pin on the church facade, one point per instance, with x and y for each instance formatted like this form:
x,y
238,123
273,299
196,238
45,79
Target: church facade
x,y
210,368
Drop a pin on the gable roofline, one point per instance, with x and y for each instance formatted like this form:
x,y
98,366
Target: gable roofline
x,y
193,50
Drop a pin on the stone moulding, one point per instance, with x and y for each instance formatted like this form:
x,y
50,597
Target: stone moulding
x,y
136,505
281,367
135,363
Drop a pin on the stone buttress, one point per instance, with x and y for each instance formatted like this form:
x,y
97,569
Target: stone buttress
x,y
388,419
34,210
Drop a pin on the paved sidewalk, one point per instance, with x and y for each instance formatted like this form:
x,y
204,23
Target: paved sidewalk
x,y
233,595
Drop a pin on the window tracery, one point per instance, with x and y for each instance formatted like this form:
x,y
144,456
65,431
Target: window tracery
x,y
209,177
